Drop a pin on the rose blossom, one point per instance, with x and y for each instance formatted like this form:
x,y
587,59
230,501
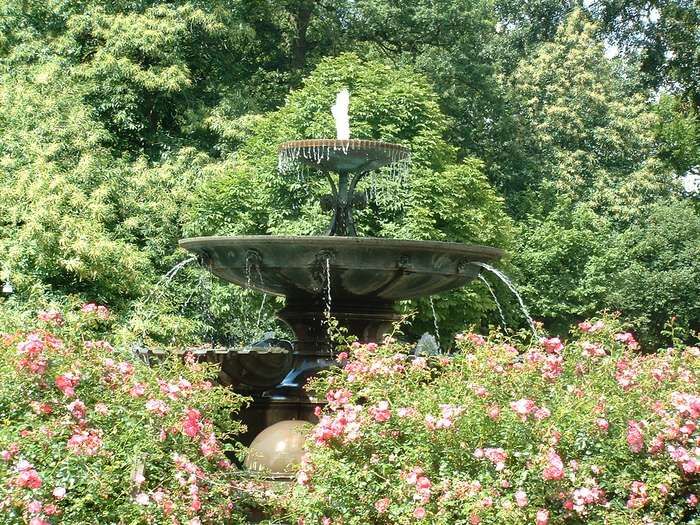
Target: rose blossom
x,y
191,425
555,467
157,406
552,345
382,505
66,383
53,317
381,412
628,339
635,438
28,477
523,407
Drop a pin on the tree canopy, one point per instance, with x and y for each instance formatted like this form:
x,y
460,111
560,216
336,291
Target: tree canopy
x,y
125,126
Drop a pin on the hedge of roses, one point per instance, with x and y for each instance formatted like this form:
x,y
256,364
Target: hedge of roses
x,y
92,434
589,430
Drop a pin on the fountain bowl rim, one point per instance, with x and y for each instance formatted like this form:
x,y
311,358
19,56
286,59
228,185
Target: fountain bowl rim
x,y
331,241
355,144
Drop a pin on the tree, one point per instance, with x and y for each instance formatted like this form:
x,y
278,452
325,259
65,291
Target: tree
x,y
663,35
678,135
592,184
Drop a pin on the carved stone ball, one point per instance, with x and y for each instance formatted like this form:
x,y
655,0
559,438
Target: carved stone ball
x,y
277,450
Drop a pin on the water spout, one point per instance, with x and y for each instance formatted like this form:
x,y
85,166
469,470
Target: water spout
x,y
435,320
498,273
340,114
495,300
328,288
168,277
260,313
179,266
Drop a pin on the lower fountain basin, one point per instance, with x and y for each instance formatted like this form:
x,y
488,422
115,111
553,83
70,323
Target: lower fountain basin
x,y
360,268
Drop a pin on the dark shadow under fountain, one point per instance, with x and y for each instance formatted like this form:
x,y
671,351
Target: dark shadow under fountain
x,y
355,280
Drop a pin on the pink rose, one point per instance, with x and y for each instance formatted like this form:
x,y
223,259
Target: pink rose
x,y
382,505
381,412
52,317
628,339
28,477
555,467
523,407
66,383
552,345
542,517
542,413
635,439
157,406
191,425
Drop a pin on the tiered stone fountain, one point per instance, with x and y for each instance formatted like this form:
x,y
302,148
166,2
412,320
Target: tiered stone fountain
x,y
356,280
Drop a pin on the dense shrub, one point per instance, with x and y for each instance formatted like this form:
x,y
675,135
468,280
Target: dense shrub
x,y
92,434
589,430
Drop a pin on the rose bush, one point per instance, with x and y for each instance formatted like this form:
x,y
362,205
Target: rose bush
x,y
588,430
92,434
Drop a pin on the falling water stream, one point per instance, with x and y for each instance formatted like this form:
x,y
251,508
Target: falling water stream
x,y
207,283
252,263
513,290
328,288
495,300
435,321
260,313
179,266
289,158
168,277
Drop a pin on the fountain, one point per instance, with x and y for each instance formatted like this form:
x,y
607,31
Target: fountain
x,y
356,280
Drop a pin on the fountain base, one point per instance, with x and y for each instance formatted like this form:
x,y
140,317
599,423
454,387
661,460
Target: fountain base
x,y
367,321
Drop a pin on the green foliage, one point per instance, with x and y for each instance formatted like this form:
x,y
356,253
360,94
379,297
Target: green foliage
x,y
593,193
151,71
553,432
113,115
663,34
452,43
577,262
575,124
678,134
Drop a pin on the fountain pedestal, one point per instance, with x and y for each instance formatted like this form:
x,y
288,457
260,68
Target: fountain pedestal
x,y
354,280
368,321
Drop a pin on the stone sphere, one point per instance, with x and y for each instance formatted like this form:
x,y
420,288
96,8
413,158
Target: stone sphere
x,y
278,449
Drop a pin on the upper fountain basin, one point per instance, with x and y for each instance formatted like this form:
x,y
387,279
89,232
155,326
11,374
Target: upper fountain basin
x,y
359,267
342,156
